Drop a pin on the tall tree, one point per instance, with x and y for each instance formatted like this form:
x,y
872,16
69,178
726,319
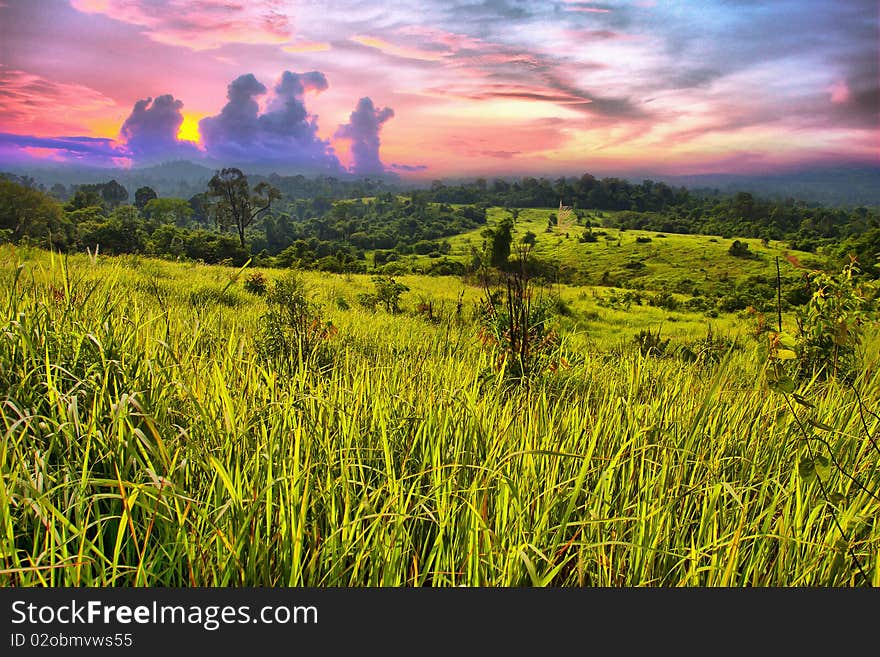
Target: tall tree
x,y
59,191
144,195
27,213
234,204
113,193
169,211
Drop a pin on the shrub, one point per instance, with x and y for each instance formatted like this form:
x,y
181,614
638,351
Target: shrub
x,y
293,331
698,304
620,300
650,344
387,294
740,250
394,269
830,325
710,349
446,267
517,329
256,283
664,300
588,236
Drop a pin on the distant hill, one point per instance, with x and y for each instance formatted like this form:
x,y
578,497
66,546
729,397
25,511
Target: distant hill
x,y
839,186
831,186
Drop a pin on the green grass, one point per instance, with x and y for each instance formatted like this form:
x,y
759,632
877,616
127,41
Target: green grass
x,y
678,263
146,443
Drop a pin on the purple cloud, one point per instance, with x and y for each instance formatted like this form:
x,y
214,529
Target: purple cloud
x,y
95,148
363,130
150,131
285,134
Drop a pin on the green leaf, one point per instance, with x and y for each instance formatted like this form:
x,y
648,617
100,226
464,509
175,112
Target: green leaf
x,y
803,401
786,354
819,425
822,465
787,341
783,385
806,469
809,467
837,498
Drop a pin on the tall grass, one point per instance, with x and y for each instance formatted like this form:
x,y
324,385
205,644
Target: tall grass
x,y
145,442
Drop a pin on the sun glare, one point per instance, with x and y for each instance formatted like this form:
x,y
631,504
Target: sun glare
x,y
189,129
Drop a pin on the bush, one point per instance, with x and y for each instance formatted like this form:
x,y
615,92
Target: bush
x,y
446,267
588,237
710,349
620,300
256,283
732,302
650,344
293,331
664,300
740,250
387,294
698,304
517,330
830,325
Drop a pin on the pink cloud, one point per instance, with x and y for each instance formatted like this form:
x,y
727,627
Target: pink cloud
x,y
199,24
503,142
43,153
450,41
34,105
840,93
306,46
397,50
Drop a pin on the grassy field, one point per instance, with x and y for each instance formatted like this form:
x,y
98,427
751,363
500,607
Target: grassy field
x,y
677,263
147,440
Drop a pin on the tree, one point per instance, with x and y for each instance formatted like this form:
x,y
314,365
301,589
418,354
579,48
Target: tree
x,y
200,207
27,213
121,232
59,191
500,240
235,205
168,211
143,196
85,196
113,193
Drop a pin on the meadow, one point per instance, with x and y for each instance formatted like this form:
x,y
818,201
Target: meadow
x,y
150,439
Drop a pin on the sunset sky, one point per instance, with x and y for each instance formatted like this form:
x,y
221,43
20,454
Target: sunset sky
x,y
442,88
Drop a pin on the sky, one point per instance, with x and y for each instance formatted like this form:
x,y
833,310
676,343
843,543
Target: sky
x,y
446,88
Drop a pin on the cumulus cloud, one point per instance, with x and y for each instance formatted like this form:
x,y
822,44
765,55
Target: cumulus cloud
x,y
150,131
257,126
363,130
284,134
